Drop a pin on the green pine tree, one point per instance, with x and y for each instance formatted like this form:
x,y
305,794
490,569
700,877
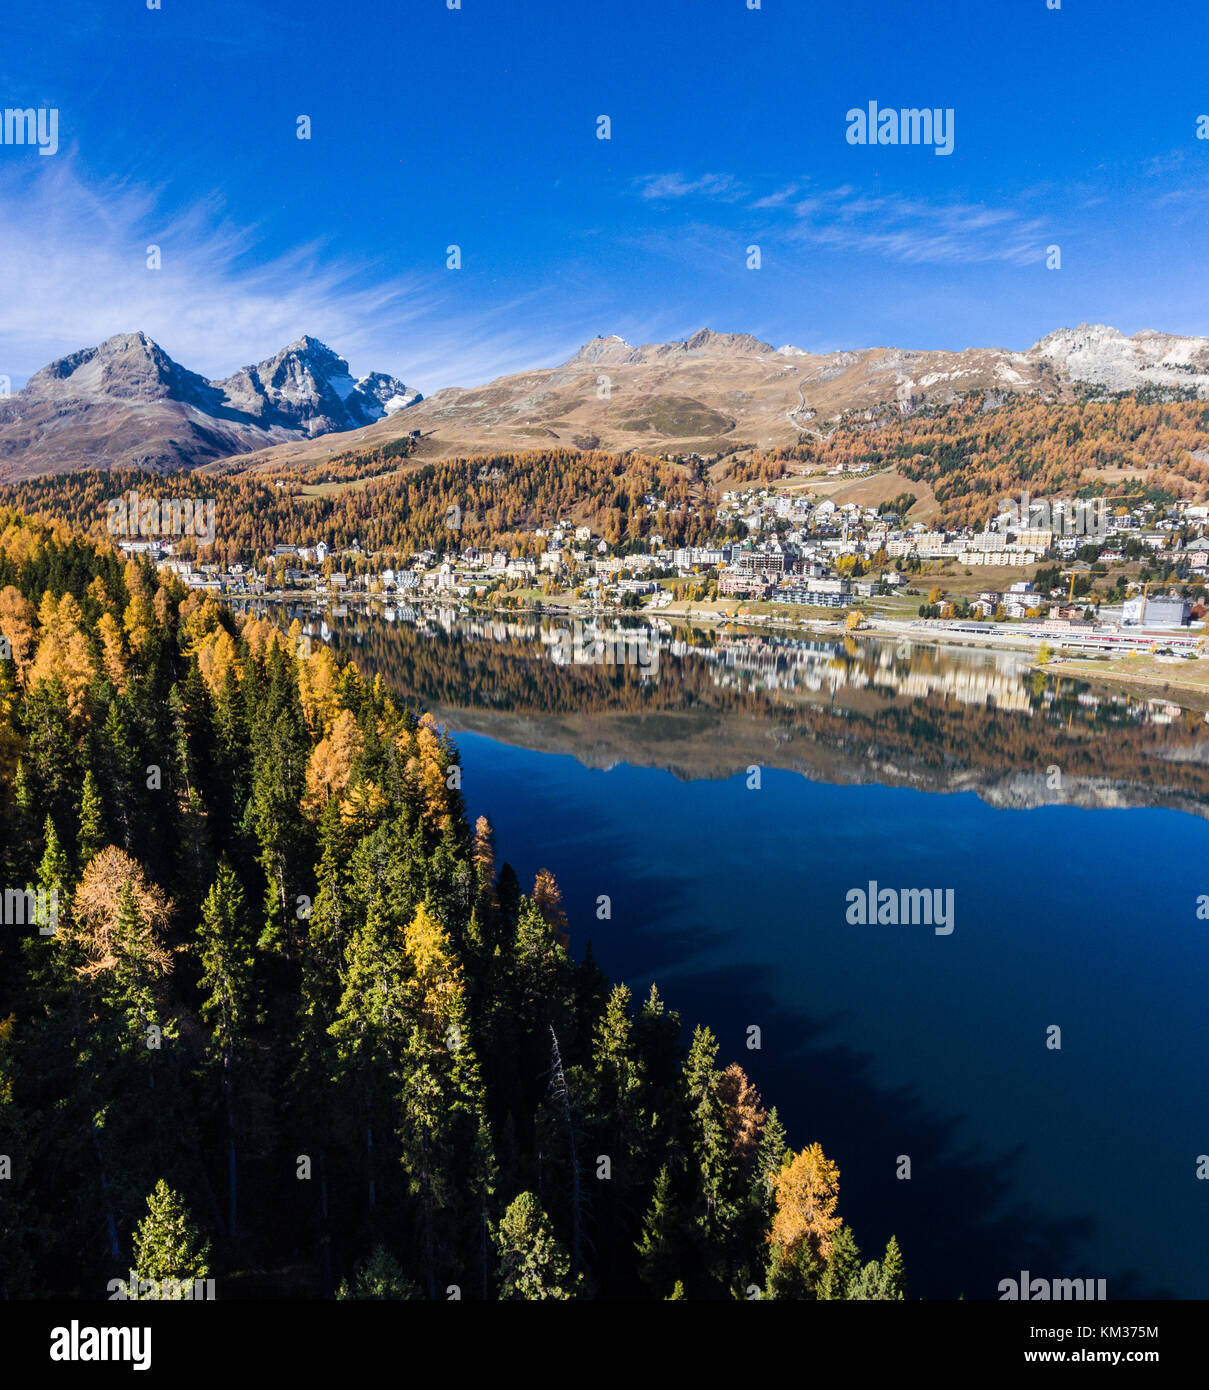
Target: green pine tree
x,y
167,1243
659,1247
867,1286
843,1266
91,838
53,875
794,1277
225,947
379,1277
532,1263
892,1280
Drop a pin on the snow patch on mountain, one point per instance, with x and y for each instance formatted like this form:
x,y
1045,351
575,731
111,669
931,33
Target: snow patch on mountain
x,y
1105,356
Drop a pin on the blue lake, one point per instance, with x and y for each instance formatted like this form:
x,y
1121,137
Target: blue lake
x,y
882,1041
1069,821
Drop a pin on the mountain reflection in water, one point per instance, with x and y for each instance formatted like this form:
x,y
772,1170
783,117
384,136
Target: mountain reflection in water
x,y
705,703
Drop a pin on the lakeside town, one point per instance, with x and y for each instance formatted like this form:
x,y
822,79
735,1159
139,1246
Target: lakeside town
x,y
1071,578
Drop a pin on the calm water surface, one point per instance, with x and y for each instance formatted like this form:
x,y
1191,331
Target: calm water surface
x,y
1075,907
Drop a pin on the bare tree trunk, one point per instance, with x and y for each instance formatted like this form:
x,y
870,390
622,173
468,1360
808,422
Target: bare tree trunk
x,y
559,1085
324,1236
110,1224
228,1088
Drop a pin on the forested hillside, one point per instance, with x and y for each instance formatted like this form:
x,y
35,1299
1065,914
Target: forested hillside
x,y
984,448
973,454
274,1016
500,500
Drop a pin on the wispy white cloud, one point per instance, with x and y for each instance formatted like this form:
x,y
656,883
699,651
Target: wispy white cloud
x,y
667,187
918,231
75,270
778,198
913,230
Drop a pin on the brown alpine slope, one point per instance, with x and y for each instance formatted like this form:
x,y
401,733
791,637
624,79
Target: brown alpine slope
x,y
718,391
127,404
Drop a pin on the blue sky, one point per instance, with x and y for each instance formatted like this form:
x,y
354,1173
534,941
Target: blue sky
x,y
477,127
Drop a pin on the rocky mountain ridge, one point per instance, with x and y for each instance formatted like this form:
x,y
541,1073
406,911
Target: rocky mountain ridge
x,y
127,403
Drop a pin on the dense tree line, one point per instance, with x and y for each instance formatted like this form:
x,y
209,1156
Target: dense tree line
x,y
279,1018
500,499
985,447
972,453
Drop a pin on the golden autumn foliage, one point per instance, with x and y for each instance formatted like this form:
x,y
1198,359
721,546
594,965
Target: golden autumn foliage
x,y
427,768
548,898
260,635
135,581
402,505
10,743
198,618
96,912
483,854
744,1115
162,606
113,650
317,689
99,594
18,619
216,655
63,650
23,538
437,977
806,1191
139,621
329,770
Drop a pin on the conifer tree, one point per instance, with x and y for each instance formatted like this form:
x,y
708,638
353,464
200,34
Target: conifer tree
x,y
892,1281
661,1244
90,839
805,1188
53,871
843,1266
770,1156
167,1243
226,953
371,1029
379,1277
19,1222
866,1286
707,1122
532,1264
793,1273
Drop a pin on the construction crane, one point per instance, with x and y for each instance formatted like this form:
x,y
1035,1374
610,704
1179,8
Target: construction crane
x,y
1074,574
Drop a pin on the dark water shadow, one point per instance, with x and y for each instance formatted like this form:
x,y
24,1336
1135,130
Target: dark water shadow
x,y
960,1218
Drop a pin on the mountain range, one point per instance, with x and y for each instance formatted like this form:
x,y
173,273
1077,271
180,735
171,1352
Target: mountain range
x,y
127,403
